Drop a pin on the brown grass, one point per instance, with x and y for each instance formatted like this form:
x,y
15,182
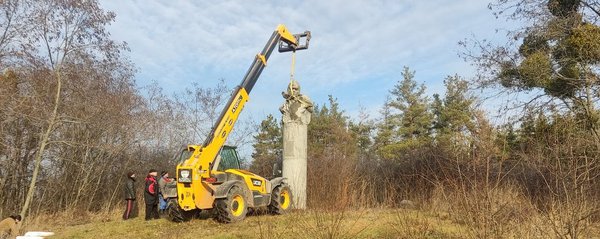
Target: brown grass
x,y
374,223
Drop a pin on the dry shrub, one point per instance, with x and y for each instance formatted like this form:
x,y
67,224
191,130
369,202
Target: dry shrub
x,y
67,218
331,177
569,219
502,211
375,185
329,183
268,230
313,223
407,226
49,222
385,183
440,204
564,159
329,224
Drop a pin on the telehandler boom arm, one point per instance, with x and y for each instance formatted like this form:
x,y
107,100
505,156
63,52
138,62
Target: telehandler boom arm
x,y
201,161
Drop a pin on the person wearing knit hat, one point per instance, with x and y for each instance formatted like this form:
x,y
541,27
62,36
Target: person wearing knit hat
x,y
162,184
129,194
151,195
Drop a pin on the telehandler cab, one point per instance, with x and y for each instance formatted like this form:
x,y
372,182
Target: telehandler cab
x,y
209,175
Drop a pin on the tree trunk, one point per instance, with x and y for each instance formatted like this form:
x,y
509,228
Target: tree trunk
x,y
43,143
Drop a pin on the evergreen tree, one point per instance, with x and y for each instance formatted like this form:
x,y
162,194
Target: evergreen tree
x,y
362,132
413,122
437,106
268,146
328,127
415,118
507,140
385,131
454,115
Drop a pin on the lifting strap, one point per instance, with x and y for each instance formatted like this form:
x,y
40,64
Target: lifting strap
x,y
292,68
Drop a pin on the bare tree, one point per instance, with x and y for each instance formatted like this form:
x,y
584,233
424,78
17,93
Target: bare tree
x,y
49,43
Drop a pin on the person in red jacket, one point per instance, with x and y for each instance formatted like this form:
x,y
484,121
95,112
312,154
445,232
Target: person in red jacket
x,y
151,195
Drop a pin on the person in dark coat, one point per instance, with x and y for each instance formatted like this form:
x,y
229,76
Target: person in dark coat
x,y
151,195
129,195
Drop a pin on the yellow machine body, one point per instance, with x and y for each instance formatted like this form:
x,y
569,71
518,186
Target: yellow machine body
x,y
198,180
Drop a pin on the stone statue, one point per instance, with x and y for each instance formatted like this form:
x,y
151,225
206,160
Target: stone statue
x,y
296,110
297,107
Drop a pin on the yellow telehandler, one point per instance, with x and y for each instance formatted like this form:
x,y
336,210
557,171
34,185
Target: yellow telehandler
x,y
209,175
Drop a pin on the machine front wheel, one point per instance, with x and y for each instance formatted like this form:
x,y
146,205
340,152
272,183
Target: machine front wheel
x,y
233,208
176,214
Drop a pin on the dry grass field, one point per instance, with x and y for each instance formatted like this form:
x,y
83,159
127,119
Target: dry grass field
x,y
371,223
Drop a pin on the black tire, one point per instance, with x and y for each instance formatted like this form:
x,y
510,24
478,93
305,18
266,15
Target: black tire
x,y
281,200
233,208
176,214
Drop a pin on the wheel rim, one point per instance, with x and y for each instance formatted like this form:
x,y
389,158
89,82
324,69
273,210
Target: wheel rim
x,y
237,205
285,199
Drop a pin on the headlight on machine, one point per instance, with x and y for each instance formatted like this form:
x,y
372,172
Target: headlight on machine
x,y
185,176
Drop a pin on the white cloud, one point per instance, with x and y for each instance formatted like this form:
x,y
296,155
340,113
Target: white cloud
x,y
357,51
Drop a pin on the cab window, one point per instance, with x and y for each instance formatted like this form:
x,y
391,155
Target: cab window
x,y
185,155
229,159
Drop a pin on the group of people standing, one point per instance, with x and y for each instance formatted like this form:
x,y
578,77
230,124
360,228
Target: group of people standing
x,y
154,199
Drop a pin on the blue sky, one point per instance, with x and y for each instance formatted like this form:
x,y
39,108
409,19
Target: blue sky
x,y
356,54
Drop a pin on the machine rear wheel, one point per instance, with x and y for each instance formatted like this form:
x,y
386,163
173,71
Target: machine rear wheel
x,y
176,214
233,208
281,200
